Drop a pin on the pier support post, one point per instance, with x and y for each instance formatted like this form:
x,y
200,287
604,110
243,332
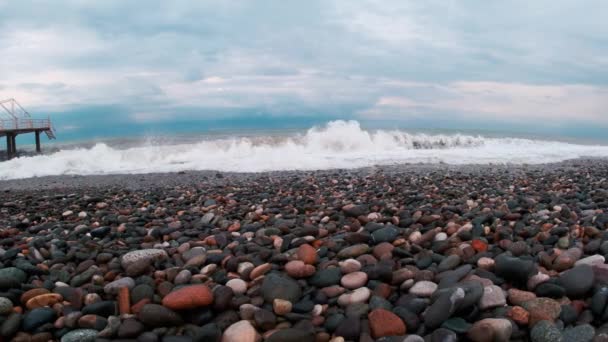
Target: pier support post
x,y
37,141
9,148
14,145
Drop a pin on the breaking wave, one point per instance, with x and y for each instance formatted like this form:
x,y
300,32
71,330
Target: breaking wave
x,y
338,144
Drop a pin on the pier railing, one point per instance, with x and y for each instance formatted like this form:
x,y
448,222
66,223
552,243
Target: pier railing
x,y
17,124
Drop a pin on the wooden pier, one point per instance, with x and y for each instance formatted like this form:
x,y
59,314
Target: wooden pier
x,y
15,120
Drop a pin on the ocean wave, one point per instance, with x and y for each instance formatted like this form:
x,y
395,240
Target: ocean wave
x,y
338,144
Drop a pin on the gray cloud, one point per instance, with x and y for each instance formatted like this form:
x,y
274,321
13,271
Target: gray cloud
x,y
387,58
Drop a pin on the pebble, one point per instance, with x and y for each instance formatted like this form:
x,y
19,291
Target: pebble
x,y
113,287
159,316
144,254
443,307
492,297
591,260
423,288
358,296
281,307
238,286
385,323
577,281
354,280
188,297
11,277
579,333
6,306
275,286
542,309
37,317
545,331
241,331
80,335
491,329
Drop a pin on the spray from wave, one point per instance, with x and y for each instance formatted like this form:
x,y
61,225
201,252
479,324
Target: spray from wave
x,y
339,144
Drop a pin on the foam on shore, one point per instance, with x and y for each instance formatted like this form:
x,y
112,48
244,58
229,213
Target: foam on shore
x,y
339,144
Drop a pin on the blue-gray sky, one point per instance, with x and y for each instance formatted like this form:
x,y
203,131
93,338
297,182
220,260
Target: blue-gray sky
x,y
508,64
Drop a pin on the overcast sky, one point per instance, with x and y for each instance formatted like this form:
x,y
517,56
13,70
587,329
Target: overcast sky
x,y
512,63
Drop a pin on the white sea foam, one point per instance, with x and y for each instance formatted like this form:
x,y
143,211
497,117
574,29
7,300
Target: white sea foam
x,y
339,144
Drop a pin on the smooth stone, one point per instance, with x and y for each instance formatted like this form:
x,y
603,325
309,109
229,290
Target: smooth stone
x,y
591,260
188,297
11,325
349,328
492,297
443,307
6,306
577,281
298,269
238,286
148,336
113,323
193,252
130,328
354,210
411,319
281,307
545,331
11,277
264,319
307,254
38,317
386,234
104,308
491,329
457,325
326,277
349,266
275,286
360,295
443,335
579,333
542,309
113,287
385,323
423,288
80,335
100,232
413,338
241,331
449,263
353,251
377,302
549,290
140,292
155,315
291,335
209,332
143,254
183,277
517,297
514,269
354,280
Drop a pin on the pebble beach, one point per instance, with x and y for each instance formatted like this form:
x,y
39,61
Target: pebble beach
x,y
397,253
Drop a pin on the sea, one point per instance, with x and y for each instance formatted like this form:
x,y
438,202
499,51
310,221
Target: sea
x,y
334,144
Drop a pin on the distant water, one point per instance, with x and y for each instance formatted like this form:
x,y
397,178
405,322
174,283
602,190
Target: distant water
x,y
337,144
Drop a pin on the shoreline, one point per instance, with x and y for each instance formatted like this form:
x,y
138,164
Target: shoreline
x,y
170,179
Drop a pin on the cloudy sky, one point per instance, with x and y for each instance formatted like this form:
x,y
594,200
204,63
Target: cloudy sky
x,y
522,65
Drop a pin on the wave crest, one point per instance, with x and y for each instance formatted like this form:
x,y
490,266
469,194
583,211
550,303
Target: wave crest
x,y
338,144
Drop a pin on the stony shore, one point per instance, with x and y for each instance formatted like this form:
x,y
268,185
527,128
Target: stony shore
x,y
399,253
